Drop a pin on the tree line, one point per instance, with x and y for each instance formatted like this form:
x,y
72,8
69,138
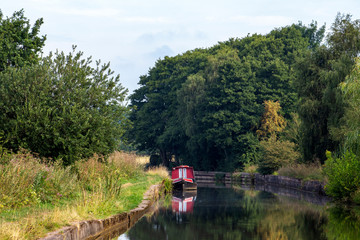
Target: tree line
x,y
272,99
262,99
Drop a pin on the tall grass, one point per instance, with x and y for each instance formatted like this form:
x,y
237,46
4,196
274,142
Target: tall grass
x,y
37,197
26,181
303,171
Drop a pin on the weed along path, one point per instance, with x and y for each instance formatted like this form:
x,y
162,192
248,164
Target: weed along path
x,y
109,227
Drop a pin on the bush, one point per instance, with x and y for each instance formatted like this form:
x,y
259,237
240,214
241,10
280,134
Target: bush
x,y
250,168
343,176
276,154
62,108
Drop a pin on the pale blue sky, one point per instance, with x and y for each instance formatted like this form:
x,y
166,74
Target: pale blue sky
x,y
133,34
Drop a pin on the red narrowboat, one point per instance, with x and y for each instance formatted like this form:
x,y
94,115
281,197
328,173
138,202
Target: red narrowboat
x,y
183,178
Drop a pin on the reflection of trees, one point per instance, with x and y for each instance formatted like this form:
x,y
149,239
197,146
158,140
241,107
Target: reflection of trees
x,y
343,223
227,214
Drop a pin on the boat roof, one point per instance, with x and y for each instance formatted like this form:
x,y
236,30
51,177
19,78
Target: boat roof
x,y
182,166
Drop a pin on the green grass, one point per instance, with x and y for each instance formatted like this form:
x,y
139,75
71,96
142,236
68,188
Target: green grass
x,y
52,197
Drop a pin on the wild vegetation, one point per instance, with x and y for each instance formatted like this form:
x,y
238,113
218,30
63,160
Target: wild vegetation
x,y
276,101
62,119
52,196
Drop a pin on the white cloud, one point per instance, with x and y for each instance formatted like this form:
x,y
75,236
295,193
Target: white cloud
x,y
140,19
161,52
104,12
263,20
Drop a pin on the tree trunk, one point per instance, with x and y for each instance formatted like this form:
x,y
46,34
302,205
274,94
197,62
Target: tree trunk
x,y
164,158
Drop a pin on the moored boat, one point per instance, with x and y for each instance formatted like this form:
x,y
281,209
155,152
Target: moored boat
x,y
183,178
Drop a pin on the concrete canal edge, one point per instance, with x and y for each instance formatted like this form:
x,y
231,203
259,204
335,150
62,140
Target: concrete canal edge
x,y
117,224
287,182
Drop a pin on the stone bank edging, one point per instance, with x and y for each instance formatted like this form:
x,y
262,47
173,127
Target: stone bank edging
x,y
288,182
92,229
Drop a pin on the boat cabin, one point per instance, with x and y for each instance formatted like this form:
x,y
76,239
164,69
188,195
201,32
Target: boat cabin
x,y
183,178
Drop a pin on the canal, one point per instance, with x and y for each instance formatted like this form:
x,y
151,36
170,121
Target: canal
x,y
242,212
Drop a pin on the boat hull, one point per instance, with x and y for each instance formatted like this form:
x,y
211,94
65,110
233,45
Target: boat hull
x,y
183,185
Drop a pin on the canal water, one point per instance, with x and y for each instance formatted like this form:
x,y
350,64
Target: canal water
x,y
245,213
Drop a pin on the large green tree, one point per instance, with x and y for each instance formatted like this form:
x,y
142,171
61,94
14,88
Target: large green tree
x,y
204,106
351,121
156,127
62,107
20,44
321,102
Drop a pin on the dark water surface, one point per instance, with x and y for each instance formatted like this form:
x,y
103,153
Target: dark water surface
x,y
245,213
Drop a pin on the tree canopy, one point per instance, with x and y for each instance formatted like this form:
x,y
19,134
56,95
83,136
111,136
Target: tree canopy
x,y
62,107
20,44
321,102
203,107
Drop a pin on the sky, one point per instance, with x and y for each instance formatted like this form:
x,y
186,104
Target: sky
x,y
133,34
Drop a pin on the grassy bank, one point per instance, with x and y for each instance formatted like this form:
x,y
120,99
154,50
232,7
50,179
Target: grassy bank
x,y
38,197
304,172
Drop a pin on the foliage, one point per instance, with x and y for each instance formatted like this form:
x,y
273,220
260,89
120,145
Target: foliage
x,y
292,130
303,171
343,176
343,223
321,102
167,182
249,168
203,107
20,44
351,119
276,154
271,122
62,107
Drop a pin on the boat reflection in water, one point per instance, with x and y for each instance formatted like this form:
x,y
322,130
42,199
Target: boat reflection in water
x,y
183,202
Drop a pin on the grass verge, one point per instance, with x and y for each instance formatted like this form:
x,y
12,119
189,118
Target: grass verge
x,y
51,197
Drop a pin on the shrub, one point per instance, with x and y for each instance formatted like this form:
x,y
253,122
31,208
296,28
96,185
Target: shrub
x,y
62,107
250,168
343,176
276,154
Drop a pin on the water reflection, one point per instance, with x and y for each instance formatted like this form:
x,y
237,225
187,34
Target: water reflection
x,y
183,202
238,213
344,223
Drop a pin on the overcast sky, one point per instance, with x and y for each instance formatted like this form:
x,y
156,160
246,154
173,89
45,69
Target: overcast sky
x,y
133,34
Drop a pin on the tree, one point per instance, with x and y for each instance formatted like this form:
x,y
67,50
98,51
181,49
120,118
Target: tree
x,y
321,105
203,107
20,44
276,152
157,128
351,120
271,122
62,107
